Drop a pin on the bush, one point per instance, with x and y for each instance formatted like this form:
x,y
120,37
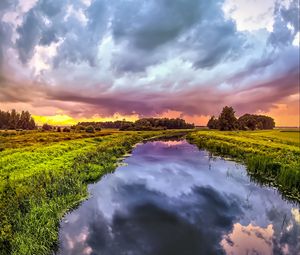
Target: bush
x,y
66,129
227,121
58,129
79,128
46,127
98,128
90,129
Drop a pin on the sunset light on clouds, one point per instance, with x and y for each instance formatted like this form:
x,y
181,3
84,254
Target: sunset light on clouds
x,y
68,61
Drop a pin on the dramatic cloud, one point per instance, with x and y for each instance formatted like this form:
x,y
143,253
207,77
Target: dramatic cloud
x,y
88,58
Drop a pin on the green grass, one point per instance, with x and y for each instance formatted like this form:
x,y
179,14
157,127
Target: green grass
x,y
272,157
17,139
44,174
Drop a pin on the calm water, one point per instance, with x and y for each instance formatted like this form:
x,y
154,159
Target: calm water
x,y
170,198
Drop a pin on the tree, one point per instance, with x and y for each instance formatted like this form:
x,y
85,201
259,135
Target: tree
x,y
66,130
143,124
46,127
32,124
15,120
227,120
252,122
213,123
247,121
79,128
90,129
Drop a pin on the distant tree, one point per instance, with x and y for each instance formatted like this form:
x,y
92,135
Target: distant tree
x,y
79,128
227,120
126,126
66,130
266,121
252,122
143,124
260,125
246,122
213,123
46,127
58,129
32,124
90,129
15,120
97,128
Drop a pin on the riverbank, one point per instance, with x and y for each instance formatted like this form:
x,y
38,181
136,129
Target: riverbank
x,y
43,174
272,157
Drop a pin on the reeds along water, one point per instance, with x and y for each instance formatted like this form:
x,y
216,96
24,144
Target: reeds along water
x,y
276,164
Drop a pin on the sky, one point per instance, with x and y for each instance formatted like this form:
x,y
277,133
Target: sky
x,y
76,60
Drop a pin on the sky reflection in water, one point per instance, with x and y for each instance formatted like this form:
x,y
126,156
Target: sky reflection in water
x,y
170,198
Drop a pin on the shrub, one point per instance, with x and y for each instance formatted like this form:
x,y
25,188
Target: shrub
x,y
80,128
90,129
66,129
46,127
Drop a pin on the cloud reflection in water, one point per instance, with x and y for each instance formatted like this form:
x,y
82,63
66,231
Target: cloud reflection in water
x,y
171,198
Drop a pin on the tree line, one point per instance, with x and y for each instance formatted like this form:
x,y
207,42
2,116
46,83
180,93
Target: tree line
x,y
106,124
228,121
142,124
15,120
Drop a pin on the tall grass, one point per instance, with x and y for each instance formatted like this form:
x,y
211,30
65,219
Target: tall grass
x,y
271,157
39,183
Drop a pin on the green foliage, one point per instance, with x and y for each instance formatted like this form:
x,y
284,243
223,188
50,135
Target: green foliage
x,y
143,124
47,127
90,129
15,120
271,156
66,130
213,123
227,121
252,122
157,124
79,128
41,180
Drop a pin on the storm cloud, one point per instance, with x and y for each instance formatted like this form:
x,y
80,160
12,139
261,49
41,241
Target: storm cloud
x,y
145,57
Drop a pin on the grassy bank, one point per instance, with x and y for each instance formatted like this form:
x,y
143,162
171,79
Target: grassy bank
x,y
43,174
272,157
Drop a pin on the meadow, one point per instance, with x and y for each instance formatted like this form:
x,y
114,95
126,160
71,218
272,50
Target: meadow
x,y
44,174
272,157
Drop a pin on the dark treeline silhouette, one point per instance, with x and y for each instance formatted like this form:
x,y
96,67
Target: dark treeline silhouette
x,y
47,127
107,124
142,124
228,121
15,120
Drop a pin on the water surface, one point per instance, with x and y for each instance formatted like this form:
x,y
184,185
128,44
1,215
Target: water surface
x,y
170,198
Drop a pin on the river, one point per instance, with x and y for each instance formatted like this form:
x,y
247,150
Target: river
x,y
170,198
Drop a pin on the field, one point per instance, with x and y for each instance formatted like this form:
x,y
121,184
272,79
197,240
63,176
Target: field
x,y
43,174
272,157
